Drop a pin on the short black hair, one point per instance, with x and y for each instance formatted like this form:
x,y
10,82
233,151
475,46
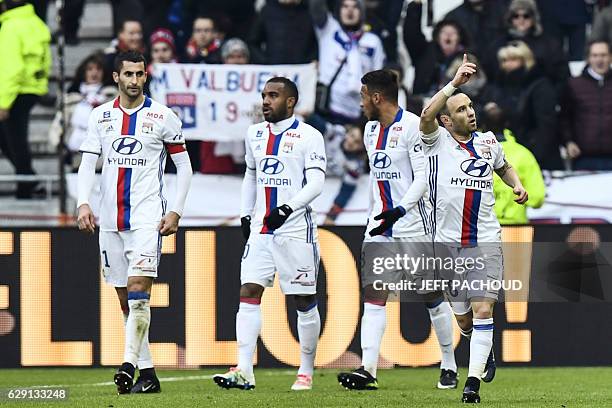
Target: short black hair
x,y
96,58
384,81
289,86
594,41
207,17
131,56
128,20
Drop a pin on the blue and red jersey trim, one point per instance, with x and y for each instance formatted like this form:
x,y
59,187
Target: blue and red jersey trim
x,y
384,188
271,193
124,174
471,206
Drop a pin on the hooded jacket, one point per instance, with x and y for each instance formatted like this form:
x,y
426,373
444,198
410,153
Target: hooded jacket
x,y
25,57
547,50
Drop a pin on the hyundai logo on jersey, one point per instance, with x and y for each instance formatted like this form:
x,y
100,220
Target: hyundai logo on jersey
x,y
381,160
271,165
127,145
476,167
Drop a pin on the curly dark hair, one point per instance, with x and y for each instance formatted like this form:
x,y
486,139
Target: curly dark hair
x,y
79,75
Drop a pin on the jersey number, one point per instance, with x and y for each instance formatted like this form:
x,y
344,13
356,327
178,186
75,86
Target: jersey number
x,y
106,265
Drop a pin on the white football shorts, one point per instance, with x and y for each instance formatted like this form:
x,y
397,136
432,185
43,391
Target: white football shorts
x,y
296,261
129,253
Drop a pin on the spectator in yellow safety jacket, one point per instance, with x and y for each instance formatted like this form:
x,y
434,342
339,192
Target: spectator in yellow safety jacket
x,y
25,62
507,210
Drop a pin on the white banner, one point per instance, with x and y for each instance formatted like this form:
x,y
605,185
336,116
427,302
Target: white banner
x,y
219,102
576,198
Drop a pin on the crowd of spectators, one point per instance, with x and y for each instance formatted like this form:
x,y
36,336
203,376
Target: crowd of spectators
x,y
522,47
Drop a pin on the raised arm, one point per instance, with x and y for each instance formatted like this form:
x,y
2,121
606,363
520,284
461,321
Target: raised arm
x,y
429,123
414,39
318,12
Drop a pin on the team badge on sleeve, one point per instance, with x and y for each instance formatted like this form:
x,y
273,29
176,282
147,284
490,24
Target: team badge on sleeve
x,y
316,156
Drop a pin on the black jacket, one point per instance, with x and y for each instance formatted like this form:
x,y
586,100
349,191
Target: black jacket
x,y
529,102
283,35
480,27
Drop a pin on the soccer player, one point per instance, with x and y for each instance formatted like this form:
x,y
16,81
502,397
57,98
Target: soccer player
x,y
285,172
461,161
133,134
399,218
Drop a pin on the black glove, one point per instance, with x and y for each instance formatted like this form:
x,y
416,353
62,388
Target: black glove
x,y
277,216
245,224
389,218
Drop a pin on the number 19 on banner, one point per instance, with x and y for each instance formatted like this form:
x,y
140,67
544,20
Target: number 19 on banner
x,y
230,112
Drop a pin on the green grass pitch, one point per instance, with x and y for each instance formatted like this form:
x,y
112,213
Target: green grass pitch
x,y
406,387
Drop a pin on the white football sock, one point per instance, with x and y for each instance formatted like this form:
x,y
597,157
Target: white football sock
x,y
441,318
309,328
480,346
145,360
248,325
137,325
373,325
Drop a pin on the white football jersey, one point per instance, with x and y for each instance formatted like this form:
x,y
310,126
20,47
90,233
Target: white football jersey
x,y
460,178
134,148
396,157
364,53
280,161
